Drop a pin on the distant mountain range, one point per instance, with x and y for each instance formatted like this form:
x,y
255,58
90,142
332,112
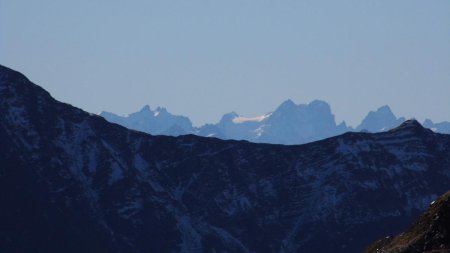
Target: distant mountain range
x,y
72,182
288,124
157,122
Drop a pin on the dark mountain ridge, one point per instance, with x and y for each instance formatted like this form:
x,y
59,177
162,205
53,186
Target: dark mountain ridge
x,y
429,234
72,182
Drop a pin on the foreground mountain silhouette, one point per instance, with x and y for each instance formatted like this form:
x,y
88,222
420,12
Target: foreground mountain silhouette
x,y
73,182
288,124
430,233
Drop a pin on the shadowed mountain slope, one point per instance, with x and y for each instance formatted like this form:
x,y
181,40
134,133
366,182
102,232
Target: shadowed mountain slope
x,y
73,182
430,233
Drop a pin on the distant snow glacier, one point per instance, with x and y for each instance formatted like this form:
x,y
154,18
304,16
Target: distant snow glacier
x,y
290,123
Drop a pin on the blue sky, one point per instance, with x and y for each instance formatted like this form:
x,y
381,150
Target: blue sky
x,y
206,58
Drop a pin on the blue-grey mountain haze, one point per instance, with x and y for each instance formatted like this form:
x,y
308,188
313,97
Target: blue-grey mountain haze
x,y
288,124
205,58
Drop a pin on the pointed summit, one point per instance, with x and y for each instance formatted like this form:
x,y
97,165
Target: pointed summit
x,y
160,111
229,117
288,103
286,106
410,125
380,120
146,108
320,106
383,112
385,109
319,103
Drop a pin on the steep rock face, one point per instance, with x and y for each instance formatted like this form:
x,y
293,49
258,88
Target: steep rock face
x,y
72,182
430,233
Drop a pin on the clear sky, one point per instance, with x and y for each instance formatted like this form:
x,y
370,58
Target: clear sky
x,y
206,58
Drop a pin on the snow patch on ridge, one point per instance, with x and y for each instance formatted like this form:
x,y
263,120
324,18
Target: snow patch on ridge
x,y
240,120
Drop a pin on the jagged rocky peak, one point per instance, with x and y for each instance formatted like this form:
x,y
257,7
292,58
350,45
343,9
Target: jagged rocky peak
x,y
229,117
320,106
161,109
146,108
287,106
380,120
159,121
320,111
290,123
386,110
429,234
384,113
316,109
162,112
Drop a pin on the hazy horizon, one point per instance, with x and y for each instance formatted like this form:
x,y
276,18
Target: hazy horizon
x,y
153,108
202,59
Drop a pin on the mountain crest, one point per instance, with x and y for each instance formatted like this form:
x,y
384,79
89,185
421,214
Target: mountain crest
x,y
287,105
229,117
385,109
146,108
380,120
320,104
409,125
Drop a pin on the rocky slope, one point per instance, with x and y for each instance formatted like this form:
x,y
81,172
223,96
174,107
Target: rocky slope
x,y
430,233
73,182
